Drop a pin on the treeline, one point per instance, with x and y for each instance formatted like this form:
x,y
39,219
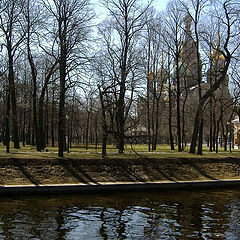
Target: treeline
x,y
138,76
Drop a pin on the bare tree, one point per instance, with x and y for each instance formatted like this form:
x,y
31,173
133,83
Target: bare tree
x,y
13,35
126,23
156,76
174,37
71,20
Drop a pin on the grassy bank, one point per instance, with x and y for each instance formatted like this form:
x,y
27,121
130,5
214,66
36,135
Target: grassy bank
x,y
24,171
27,166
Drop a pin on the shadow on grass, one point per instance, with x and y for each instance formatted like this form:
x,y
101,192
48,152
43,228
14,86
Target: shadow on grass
x,y
158,169
171,173
18,164
73,168
202,172
130,174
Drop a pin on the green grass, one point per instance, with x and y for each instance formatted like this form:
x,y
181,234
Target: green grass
x,y
112,152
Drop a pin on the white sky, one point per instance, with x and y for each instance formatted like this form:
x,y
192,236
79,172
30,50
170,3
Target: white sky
x,y
158,4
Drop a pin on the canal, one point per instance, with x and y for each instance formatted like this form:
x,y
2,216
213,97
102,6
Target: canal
x,y
210,214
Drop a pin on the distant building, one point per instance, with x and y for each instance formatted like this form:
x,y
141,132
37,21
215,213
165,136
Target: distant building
x,y
236,132
189,55
189,62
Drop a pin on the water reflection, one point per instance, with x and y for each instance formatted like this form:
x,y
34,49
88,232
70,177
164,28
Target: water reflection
x,y
168,215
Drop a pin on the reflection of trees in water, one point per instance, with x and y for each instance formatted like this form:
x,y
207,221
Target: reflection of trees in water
x,y
162,221
60,223
29,224
103,229
182,215
215,219
5,227
233,216
203,217
121,226
113,226
189,217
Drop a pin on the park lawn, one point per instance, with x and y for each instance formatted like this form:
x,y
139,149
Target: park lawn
x,y
135,151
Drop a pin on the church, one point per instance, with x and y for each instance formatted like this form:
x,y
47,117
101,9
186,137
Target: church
x,y
218,108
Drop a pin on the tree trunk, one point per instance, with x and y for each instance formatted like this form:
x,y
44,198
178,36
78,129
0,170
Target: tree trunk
x,y
214,130
211,127
52,120
104,125
46,121
225,134
156,126
61,115
183,119
87,130
178,107
195,131
170,106
62,92
230,136
217,132
200,138
13,99
29,127
7,128
24,127
121,120
96,133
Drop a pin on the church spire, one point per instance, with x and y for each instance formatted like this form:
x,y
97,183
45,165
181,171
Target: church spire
x,y
188,22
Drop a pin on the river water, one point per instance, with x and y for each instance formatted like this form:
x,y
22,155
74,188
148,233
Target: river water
x,y
211,214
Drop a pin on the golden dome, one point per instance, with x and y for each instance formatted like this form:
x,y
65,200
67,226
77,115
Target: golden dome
x,y
216,55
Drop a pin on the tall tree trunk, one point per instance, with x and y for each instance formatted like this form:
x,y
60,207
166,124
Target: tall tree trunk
x,y
104,124
46,121
34,81
230,136
183,119
61,114
13,99
156,126
225,134
217,133
120,117
148,96
170,106
29,127
200,138
7,128
52,120
32,132
214,130
195,131
34,99
87,130
62,69
211,127
178,103
211,107
96,132
24,127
